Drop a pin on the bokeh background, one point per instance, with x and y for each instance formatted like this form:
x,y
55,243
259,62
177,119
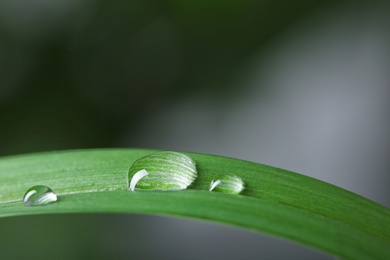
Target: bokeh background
x,y
301,85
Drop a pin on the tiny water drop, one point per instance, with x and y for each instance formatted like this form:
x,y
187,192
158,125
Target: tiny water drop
x,y
39,195
227,184
164,170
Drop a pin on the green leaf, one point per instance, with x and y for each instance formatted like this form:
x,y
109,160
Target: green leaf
x,y
275,201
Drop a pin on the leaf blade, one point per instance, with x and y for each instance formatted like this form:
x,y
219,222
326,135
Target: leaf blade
x,y
275,201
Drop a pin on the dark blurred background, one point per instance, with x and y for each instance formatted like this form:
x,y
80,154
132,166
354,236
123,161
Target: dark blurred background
x,y
301,85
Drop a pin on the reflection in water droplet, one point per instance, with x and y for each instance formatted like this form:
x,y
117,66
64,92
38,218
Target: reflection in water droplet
x,y
136,178
39,195
164,171
227,184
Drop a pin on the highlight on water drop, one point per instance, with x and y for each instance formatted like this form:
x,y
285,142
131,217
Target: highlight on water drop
x,y
227,184
39,195
136,178
164,171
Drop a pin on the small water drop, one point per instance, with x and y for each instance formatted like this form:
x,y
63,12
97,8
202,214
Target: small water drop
x,y
227,184
39,195
162,171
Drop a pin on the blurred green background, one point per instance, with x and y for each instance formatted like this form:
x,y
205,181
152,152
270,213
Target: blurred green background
x,y
83,74
301,85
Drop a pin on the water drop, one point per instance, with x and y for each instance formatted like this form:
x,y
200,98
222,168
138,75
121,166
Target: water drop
x,y
227,184
162,171
39,195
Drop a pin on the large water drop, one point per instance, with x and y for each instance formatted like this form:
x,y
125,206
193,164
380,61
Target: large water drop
x,y
162,171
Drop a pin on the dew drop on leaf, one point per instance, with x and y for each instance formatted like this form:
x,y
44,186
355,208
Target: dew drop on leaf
x,y
164,170
227,184
39,195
